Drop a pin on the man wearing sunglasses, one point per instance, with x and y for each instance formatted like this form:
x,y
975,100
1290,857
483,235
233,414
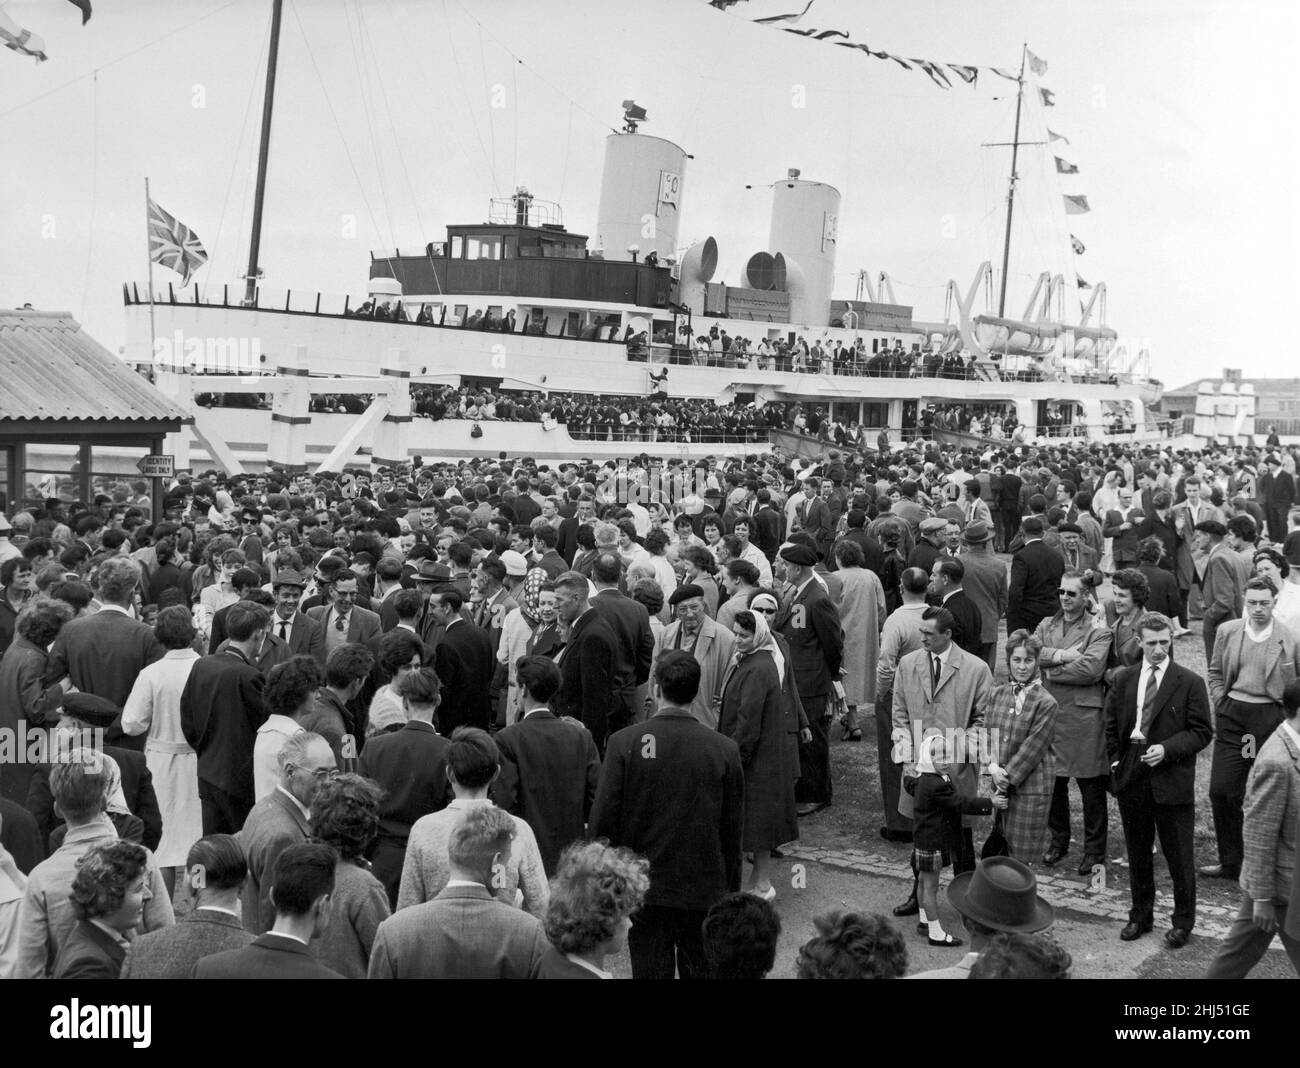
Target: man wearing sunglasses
x,y
1075,652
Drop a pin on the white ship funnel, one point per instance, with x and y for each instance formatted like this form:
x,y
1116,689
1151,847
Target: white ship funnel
x,y
640,196
696,270
805,218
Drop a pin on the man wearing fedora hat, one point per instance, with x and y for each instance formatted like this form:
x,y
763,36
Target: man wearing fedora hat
x,y
985,584
295,628
1000,895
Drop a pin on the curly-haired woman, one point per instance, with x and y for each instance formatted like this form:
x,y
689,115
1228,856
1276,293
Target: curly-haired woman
x,y
345,815
596,889
851,945
108,896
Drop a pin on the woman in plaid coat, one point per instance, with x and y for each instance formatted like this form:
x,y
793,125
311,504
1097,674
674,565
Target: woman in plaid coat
x,y
1021,721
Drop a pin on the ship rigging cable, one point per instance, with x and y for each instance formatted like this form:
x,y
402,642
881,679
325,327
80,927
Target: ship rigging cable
x,y
368,112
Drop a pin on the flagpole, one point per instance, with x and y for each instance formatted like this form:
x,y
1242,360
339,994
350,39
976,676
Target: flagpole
x,y
263,152
153,341
1011,189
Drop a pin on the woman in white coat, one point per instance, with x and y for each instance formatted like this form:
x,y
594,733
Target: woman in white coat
x,y
862,614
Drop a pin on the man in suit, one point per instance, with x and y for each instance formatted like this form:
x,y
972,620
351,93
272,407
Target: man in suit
x,y
985,583
465,932
495,580
342,620
568,534
549,766
810,624
1008,505
281,819
1075,552
411,765
221,709
1224,574
634,643
1268,875
548,559
974,509
464,662
940,686
303,884
295,628
872,553
1157,720
1159,523
1254,660
672,790
946,586
1121,527
709,641
244,581
769,525
216,870
1276,494
930,546
587,661
334,713
1035,577
104,652
1194,509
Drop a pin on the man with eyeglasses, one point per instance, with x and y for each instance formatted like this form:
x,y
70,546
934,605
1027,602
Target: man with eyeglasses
x,y
280,820
342,619
1254,658
1076,650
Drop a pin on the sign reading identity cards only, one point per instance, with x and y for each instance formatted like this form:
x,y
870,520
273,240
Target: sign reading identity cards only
x,y
157,466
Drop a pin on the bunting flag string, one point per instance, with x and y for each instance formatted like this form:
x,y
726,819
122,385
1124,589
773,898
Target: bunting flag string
x,y
772,19
1048,97
1053,135
1076,205
1038,66
1082,283
1062,167
966,74
1077,245
816,35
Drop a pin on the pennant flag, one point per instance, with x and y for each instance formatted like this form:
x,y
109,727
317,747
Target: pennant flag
x,y
84,5
817,35
1048,98
1057,137
1005,74
1076,205
23,41
1077,245
1062,167
1083,284
722,5
935,72
1038,66
786,18
966,74
902,63
173,244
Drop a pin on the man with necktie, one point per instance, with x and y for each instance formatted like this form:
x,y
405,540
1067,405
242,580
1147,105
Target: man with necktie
x,y
1157,720
300,632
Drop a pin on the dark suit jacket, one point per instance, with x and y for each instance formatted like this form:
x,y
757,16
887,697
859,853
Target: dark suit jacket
x,y
768,529
89,953
587,665
1277,491
811,627
411,766
306,638
20,835
1124,543
553,564
172,952
274,824
363,624
1164,590
871,550
137,788
221,709
1181,724
549,771
103,654
1036,572
672,790
629,622
1153,525
567,538
464,663
269,956
968,624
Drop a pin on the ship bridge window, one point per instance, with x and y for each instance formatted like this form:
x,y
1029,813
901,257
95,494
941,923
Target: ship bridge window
x,y
457,247
483,248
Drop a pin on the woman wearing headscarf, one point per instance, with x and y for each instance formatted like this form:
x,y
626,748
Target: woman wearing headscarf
x,y
528,630
1020,722
753,714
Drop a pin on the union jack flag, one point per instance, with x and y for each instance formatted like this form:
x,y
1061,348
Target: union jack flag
x,y
173,244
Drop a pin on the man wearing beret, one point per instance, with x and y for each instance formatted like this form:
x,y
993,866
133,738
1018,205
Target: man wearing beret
x,y
811,627
709,642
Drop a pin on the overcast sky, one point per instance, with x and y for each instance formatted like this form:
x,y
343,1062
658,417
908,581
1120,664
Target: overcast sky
x,y
1180,117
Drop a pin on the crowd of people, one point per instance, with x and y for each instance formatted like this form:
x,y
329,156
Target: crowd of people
x,y
504,718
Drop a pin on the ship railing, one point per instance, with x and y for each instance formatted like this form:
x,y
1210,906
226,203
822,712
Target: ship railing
x,y
682,355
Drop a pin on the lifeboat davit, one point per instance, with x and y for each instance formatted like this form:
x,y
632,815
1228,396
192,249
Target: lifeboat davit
x,y
1014,337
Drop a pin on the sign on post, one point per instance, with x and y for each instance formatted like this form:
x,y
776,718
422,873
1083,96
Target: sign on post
x,y
157,466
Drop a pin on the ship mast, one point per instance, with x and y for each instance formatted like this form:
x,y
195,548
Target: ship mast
x,y
255,243
1011,186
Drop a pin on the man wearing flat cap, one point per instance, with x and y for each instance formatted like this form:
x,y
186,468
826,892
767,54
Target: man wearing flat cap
x,y
708,641
930,545
808,621
1224,575
292,626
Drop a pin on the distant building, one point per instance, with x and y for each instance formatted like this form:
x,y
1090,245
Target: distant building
x,y
1277,400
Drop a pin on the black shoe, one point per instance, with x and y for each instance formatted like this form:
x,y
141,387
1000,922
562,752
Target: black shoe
x,y
923,928
1055,855
1134,930
811,808
948,940
1176,937
895,836
1218,871
910,907
1088,863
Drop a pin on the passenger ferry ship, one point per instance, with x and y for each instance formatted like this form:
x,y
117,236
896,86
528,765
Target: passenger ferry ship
x,y
520,303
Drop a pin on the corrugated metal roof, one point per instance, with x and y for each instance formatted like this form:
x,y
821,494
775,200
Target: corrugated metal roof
x,y
50,368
